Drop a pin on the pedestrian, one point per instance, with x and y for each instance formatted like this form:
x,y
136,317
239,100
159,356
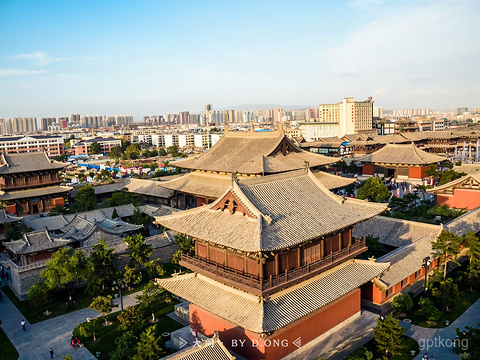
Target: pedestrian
x,y
425,356
51,353
23,323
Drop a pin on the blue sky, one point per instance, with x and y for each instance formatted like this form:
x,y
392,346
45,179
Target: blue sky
x,y
153,57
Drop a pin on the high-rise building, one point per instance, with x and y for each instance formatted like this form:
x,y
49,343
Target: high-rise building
x,y
311,114
183,117
351,116
462,110
75,118
377,112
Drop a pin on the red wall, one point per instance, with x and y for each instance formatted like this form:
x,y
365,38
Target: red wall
x,y
280,343
201,201
368,169
461,199
414,172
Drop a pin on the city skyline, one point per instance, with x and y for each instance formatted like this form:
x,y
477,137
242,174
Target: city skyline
x,y
155,57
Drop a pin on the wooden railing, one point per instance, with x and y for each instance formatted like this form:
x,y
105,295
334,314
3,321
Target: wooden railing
x,y
223,271
255,282
30,184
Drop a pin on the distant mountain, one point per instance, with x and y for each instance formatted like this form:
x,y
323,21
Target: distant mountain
x,y
268,106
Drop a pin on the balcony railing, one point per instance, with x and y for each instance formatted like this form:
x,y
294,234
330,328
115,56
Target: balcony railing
x,y
30,184
254,282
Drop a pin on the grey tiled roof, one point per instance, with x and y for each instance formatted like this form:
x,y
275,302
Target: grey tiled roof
x,y
53,223
333,182
6,217
470,221
276,311
35,242
406,261
396,232
250,153
200,183
27,162
287,209
22,194
405,154
148,187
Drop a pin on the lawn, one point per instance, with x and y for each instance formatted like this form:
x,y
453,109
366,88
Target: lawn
x,y
107,334
7,350
58,299
409,343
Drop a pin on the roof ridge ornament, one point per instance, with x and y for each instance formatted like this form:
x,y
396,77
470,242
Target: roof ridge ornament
x,y
234,177
307,166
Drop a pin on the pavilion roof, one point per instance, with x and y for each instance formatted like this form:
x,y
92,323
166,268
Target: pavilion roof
x,y
251,152
12,163
396,232
212,185
6,217
469,181
37,192
35,242
275,212
404,154
276,311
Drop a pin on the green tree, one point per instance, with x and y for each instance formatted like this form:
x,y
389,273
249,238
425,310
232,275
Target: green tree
x,y
431,171
185,245
362,353
155,268
144,220
153,153
352,167
151,296
373,189
132,276
131,319
375,248
115,214
402,303
428,309
38,295
11,232
397,205
100,267
162,152
95,148
447,293
173,149
446,164
61,158
124,346
450,175
148,348
138,250
85,199
125,144
133,151
471,337
446,245
472,243
146,153
104,305
341,165
389,335
66,268
123,197
116,153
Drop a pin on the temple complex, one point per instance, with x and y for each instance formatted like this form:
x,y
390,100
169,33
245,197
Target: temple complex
x,y
30,183
245,154
273,261
399,161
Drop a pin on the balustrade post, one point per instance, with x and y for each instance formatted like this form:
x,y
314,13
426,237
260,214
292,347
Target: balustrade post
x,y
308,267
331,256
271,281
286,274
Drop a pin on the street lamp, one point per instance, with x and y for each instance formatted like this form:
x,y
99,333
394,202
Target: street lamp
x,y
118,285
426,264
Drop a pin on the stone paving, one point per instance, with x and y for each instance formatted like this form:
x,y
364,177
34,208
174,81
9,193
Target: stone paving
x,y
440,338
55,333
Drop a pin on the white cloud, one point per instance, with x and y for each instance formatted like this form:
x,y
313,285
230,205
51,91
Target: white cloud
x,y
19,72
39,57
